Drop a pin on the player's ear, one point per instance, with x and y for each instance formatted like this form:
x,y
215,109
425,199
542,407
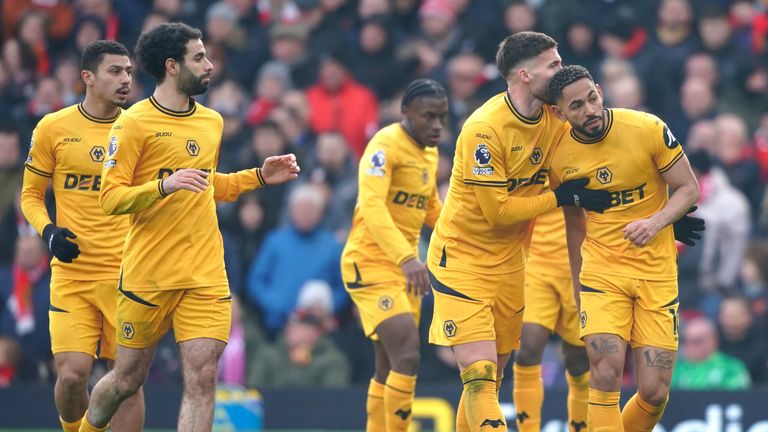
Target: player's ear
x,y
87,77
558,113
171,66
599,90
523,75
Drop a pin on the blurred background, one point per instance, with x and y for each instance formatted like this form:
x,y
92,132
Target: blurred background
x,y
318,78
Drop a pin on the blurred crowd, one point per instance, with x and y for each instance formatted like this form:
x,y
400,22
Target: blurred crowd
x,y
319,77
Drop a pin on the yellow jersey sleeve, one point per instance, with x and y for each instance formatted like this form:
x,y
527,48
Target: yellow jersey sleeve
x,y
119,194
434,207
374,180
666,148
229,186
486,174
37,175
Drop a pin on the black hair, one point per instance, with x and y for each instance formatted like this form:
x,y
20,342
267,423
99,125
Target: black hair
x,y
168,40
565,77
94,53
520,47
421,88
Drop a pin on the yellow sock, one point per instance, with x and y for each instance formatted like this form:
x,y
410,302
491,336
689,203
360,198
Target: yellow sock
x,y
528,395
461,415
578,395
481,403
398,398
640,416
603,411
374,408
85,426
70,426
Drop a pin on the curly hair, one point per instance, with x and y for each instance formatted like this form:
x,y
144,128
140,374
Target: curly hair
x,y
565,77
519,47
94,53
161,43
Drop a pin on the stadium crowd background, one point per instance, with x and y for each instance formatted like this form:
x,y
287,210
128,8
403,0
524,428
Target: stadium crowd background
x,y
319,77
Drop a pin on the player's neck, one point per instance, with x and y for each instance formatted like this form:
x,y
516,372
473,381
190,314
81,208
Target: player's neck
x,y
168,96
523,101
407,128
99,108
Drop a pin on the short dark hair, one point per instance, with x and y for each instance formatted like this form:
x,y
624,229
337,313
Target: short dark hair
x,y
94,53
420,88
168,40
520,47
565,77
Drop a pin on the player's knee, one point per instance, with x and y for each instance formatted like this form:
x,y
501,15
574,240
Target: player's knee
x,y
527,356
605,375
654,395
73,379
201,380
128,386
407,361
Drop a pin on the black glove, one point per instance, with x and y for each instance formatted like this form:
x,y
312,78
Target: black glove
x,y
687,228
56,239
573,193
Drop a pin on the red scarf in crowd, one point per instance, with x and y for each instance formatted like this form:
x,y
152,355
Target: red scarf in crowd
x,y
21,298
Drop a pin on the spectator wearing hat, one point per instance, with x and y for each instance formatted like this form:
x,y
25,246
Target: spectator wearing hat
x,y
338,103
273,81
288,45
304,355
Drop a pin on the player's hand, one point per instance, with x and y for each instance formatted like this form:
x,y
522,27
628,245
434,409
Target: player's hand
x,y
56,239
641,232
573,193
688,229
417,277
280,169
190,179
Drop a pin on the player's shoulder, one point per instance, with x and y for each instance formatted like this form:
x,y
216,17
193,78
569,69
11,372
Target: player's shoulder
x,y
494,111
63,116
634,118
207,113
389,137
136,111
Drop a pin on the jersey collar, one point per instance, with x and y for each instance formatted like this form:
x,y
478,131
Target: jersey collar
x,y
95,119
171,112
522,118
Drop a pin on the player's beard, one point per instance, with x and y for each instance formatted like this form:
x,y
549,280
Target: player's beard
x,y
593,132
190,84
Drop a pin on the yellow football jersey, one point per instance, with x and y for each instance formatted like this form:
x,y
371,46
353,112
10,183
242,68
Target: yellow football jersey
x,y
68,148
397,195
174,241
501,165
548,250
627,160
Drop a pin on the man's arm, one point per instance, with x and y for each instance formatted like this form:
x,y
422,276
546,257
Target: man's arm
x,y
575,233
685,192
434,207
275,170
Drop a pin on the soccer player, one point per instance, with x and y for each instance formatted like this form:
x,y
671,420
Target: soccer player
x,y
161,168
549,307
68,149
624,258
380,264
475,255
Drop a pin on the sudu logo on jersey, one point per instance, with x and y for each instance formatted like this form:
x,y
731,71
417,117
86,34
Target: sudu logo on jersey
x,y
482,159
378,160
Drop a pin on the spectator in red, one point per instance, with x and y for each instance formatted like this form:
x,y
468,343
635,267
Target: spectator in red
x,y
339,104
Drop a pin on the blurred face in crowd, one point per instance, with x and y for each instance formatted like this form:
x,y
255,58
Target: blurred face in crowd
x,y
697,98
48,95
369,8
580,37
538,71
332,74
9,150
332,151
731,138
699,340
673,13
424,119
267,141
68,73
250,213
296,100
32,28
735,318
582,105
437,25
167,7
87,33
702,136
153,20
195,70
270,87
218,29
715,32
12,56
100,8
305,208
373,38
519,17
112,79
702,66
287,49
757,81
627,93
464,74
29,251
